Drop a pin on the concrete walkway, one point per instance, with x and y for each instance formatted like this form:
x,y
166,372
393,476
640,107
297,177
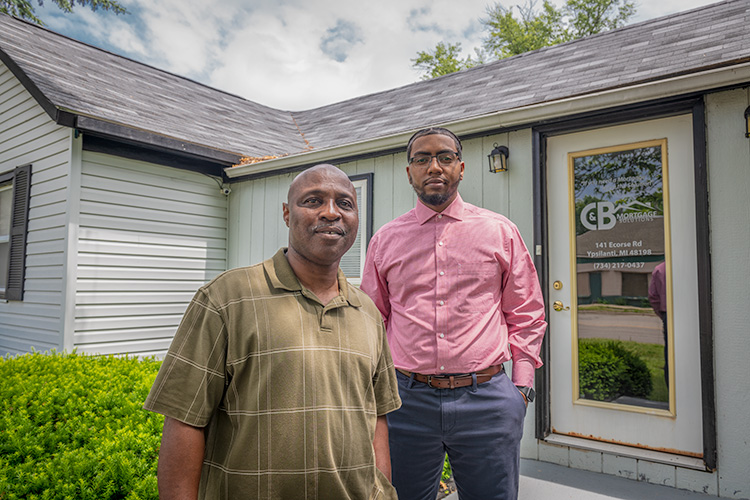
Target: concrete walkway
x,y
544,481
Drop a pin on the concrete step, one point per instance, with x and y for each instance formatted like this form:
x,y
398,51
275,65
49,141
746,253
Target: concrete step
x,y
545,481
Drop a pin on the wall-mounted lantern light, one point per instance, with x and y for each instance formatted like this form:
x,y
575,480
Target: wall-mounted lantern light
x,y
498,159
747,122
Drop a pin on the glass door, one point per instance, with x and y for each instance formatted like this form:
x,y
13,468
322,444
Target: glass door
x,y
623,320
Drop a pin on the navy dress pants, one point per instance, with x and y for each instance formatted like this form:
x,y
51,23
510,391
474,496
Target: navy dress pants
x,y
479,427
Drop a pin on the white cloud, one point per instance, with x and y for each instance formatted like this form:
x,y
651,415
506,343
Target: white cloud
x,y
278,57
338,40
292,54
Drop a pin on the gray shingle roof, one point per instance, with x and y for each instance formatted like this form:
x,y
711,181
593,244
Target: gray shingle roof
x,y
90,82
94,83
712,36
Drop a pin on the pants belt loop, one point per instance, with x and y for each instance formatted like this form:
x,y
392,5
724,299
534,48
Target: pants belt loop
x,y
411,380
473,381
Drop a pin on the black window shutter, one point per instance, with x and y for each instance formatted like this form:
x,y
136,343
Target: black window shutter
x,y
19,226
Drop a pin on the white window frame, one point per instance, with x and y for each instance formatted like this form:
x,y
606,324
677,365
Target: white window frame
x,y
5,236
19,181
363,184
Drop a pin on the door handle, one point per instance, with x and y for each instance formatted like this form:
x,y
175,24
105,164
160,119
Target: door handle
x,y
559,306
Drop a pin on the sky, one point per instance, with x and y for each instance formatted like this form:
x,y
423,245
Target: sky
x,y
293,54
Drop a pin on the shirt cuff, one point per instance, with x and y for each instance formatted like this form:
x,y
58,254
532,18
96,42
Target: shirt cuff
x,y
523,372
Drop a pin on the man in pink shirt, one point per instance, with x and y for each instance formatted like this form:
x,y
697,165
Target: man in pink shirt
x,y
657,297
460,296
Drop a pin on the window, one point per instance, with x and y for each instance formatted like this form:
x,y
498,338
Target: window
x,y
14,211
353,261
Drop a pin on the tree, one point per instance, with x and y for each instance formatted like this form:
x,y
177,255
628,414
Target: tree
x,y
25,10
509,36
588,17
444,60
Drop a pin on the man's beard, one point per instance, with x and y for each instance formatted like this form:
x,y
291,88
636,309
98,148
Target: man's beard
x,y
434,199
437,199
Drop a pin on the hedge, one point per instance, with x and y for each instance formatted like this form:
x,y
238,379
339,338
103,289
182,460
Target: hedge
x,y
72,427
608,370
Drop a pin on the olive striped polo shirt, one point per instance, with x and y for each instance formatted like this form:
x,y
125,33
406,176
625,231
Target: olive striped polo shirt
x,y
287,388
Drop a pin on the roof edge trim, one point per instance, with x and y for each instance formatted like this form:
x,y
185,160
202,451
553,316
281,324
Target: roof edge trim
x,y
162,142
49,108
526,115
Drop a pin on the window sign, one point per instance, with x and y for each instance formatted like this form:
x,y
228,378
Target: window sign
x,y
622,326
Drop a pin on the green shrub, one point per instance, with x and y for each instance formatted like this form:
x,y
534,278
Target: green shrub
x,y
72,427
600,371
637,380
607,370
447,472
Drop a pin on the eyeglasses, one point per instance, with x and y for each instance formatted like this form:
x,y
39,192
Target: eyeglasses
x,y
444,159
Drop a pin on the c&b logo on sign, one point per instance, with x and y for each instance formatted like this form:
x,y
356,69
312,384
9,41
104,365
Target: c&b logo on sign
x,y
598,216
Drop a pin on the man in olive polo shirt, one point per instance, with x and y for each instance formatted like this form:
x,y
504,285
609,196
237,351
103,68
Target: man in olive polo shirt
x,y
278,380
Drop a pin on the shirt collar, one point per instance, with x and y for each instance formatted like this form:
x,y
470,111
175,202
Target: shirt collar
x,y
280,272
282,276
455,210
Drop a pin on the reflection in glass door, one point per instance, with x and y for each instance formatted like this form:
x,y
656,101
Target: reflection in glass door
x,y
620,216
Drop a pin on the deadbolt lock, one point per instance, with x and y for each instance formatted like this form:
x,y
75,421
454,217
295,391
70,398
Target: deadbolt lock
x,y
557,285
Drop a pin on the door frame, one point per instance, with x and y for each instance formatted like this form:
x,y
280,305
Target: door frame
x,y
618,116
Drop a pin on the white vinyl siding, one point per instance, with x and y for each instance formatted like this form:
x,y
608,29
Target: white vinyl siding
x,y
729,181
257,229
29,136
149,237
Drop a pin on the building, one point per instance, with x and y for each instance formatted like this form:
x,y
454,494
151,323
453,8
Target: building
x,y
125,199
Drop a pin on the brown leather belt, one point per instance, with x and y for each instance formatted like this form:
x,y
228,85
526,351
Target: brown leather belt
x,y
454,381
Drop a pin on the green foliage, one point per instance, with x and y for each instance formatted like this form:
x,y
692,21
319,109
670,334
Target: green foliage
x,y
72,427
447,471
604,173
653,356
588,17
608,370
25,10
444,60
508,36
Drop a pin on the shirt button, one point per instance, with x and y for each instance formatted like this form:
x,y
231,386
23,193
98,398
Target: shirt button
x,y
440,216
442,335
440,243
442,302
442,368
442,273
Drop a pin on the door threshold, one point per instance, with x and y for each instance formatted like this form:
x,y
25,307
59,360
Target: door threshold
x,y
627,451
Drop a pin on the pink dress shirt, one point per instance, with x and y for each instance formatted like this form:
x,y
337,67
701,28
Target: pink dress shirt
x,y
657,290
457,290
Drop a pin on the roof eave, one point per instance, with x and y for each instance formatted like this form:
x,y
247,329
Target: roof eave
x,y
162,142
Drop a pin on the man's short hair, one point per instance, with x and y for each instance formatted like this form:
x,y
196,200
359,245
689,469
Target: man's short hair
x,y
434,131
